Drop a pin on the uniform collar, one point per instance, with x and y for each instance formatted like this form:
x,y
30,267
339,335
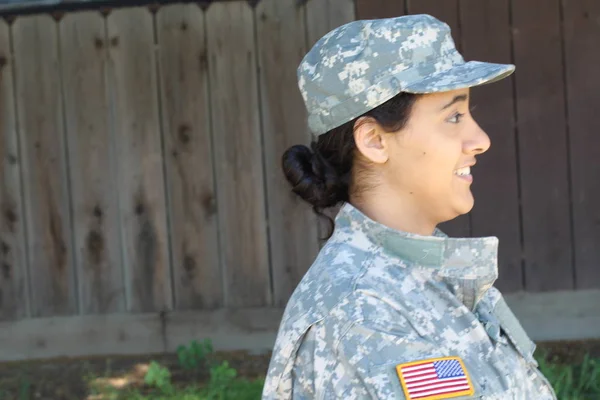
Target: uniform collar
x,y
468,266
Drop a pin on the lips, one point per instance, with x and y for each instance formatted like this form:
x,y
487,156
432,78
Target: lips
x,y
464,173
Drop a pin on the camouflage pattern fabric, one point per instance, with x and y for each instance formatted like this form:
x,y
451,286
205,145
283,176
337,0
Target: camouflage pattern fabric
x,y
362,64
376,298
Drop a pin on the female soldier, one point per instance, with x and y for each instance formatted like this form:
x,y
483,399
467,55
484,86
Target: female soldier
x,y
392,308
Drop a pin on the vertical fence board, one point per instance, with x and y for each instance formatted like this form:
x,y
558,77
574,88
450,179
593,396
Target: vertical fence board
x,y
324,16
292,224
446,11
134,102
14,296
339,12
95,206
542,145
582,55
45,180
486,36
237,138
189,157
370,9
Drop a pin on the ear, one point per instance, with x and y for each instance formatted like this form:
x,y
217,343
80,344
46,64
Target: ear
x,y
371,140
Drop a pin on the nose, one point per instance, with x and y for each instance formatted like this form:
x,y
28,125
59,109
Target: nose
x,y
477,142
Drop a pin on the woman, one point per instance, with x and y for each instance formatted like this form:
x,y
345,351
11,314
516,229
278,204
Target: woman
x,y
392,308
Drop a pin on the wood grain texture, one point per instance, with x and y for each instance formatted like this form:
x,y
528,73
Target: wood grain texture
x,y
446,11
14,277
486,36
81,336
324,16
189,157
581,38
91,163
564,315
251,329
368,9
292,224
338,13
44,163
238,153
542,145
134,101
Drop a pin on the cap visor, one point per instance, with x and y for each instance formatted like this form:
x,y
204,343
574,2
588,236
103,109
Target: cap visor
x,y
470,74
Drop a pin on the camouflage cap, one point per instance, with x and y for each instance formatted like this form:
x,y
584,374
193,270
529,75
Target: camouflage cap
x,y
361,65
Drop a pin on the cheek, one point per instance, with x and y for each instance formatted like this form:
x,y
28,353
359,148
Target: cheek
x,y
436,168
426,163
438,161
423,172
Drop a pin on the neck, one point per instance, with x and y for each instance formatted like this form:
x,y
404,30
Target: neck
x,y
396,213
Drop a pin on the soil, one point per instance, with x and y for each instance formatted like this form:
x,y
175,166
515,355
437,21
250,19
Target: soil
x,y
71,379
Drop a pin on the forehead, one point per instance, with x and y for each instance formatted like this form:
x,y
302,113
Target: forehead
x,y
436,101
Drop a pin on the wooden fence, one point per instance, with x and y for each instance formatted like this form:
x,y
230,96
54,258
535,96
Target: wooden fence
x,y
142,202
139,151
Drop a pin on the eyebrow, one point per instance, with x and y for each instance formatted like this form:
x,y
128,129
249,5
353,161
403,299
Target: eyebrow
x,y
456,99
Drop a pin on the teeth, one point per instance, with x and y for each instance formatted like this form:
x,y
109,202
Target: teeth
x,y
463,171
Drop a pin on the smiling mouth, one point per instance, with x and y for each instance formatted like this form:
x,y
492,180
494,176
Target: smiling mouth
x,y
464,173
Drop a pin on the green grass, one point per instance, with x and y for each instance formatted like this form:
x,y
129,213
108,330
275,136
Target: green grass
x,y
579,381
223,385
223,382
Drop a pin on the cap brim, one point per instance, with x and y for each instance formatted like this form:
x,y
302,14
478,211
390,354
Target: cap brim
x,y
470,74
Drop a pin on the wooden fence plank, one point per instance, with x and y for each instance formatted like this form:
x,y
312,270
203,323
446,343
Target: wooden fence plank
x,y
339,12
582,35
369,9
137,133
45,180
189,158
446,11
236,132
251,329
542,145
14,296
292,224
486,36
324,16
95,206
562,315
81,336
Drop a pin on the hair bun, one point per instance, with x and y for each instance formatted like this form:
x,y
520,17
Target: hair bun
x,y
311,177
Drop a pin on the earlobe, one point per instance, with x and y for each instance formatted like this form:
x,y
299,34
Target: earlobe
x,y
371,142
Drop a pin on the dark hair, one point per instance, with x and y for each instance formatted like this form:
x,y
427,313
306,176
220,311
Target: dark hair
x,y
321,174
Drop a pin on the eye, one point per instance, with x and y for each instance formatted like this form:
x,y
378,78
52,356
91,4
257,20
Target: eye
x,y
456,118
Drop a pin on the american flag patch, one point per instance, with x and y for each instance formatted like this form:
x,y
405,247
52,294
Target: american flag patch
x,y
433,379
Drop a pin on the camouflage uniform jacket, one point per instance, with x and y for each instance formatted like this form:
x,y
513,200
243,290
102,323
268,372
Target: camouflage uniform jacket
x,y
376,298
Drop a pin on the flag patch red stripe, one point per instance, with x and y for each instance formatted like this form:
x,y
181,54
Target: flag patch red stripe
x,y
440,378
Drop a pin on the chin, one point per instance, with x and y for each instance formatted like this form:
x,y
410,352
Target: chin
x,y
463,206
466,206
